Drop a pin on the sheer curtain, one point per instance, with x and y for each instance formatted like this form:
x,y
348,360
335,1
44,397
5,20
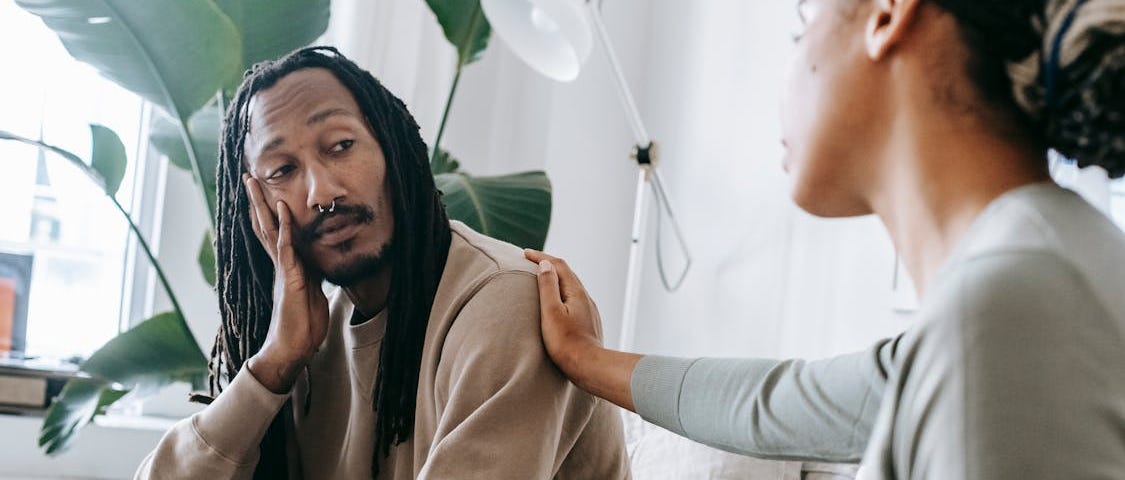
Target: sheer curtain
x,y
768,280
507,118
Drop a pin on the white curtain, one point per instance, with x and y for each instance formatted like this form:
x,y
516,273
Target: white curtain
x,y
768,280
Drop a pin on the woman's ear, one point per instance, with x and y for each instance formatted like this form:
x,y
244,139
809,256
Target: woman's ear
x,y
888,24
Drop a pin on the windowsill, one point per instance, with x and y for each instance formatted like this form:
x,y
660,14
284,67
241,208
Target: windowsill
x,y
111,448
136,422
119,421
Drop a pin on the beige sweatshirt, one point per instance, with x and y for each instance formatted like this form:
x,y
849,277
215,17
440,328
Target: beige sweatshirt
x,y
490,403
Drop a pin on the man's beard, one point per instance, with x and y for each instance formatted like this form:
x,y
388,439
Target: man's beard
x,y
365,266
359,269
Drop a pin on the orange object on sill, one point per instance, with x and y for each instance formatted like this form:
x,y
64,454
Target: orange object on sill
x,y
7,312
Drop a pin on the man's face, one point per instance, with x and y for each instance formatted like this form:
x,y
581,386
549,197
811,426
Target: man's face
x,y
309,145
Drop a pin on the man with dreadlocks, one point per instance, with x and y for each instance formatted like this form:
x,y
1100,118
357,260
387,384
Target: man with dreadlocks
x,y
425,363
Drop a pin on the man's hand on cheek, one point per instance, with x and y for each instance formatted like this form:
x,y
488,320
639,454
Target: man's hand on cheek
x,y
300,310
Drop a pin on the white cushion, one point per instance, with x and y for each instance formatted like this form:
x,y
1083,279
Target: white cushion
x,y
657,454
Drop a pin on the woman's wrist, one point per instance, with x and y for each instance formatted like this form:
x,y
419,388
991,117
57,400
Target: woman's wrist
x,y
602,372
576,361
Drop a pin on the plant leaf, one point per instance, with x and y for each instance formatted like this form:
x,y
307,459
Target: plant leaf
x,y
204,131
156,352
108,157
513,208
464,25
444,163
272,28
173,53
207,259
80,400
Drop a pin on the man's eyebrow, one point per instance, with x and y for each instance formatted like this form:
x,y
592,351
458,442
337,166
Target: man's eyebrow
x,y
326,113
276,142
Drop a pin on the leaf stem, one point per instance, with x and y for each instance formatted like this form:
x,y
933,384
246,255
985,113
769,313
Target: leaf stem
x,y
196,170
445,116
155,264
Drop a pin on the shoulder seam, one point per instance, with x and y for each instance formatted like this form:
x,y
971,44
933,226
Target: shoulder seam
x,y
499,269
480,284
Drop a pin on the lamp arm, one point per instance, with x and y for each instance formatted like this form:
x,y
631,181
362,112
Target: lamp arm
x,y
624,93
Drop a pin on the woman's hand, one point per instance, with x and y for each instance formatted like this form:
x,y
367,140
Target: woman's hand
x,y
572,332
300,309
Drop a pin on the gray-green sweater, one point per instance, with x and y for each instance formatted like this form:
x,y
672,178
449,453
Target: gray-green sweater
x,y
1014,370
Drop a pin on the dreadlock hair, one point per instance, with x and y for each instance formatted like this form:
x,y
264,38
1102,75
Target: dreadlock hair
x,y
245,272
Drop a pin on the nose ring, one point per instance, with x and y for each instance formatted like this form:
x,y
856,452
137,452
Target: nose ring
x,y
330,209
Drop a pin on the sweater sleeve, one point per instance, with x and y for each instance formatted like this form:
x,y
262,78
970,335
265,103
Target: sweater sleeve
x,y
504,410
219,442
823,410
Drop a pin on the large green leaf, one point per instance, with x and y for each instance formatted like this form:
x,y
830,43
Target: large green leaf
x,y
272,28
108,157
173,53
464,26
80,400
206,259
156,352
204,131
514,208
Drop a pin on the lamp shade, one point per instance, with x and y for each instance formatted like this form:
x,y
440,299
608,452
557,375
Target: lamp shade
x,y
551,36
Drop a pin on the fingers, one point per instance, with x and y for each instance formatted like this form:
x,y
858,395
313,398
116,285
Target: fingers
x,y
260,216
569,284
536,256
286,257
550,300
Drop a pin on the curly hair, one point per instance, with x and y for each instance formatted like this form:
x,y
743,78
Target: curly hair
x,y
1056,68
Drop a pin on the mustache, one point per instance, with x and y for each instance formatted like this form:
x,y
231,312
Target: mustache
x,y
310,232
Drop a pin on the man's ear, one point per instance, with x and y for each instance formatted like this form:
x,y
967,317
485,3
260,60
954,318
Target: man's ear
x,y
888,24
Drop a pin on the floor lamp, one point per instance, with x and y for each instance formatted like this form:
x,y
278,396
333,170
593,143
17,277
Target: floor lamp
x,y
554,37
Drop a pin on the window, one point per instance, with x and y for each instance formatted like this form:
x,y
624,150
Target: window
x,y
1093,183
78,243
1117,201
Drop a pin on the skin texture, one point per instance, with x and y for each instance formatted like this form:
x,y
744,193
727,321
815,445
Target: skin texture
x,y
879,117
309,147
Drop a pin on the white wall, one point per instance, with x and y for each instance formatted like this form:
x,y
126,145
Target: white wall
x,y
768,280
102,451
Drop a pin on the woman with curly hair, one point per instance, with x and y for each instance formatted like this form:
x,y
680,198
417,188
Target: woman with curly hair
x,y
937,116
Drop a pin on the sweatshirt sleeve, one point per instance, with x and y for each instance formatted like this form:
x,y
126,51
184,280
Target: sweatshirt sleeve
x,y
219,442
504,410
822,410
